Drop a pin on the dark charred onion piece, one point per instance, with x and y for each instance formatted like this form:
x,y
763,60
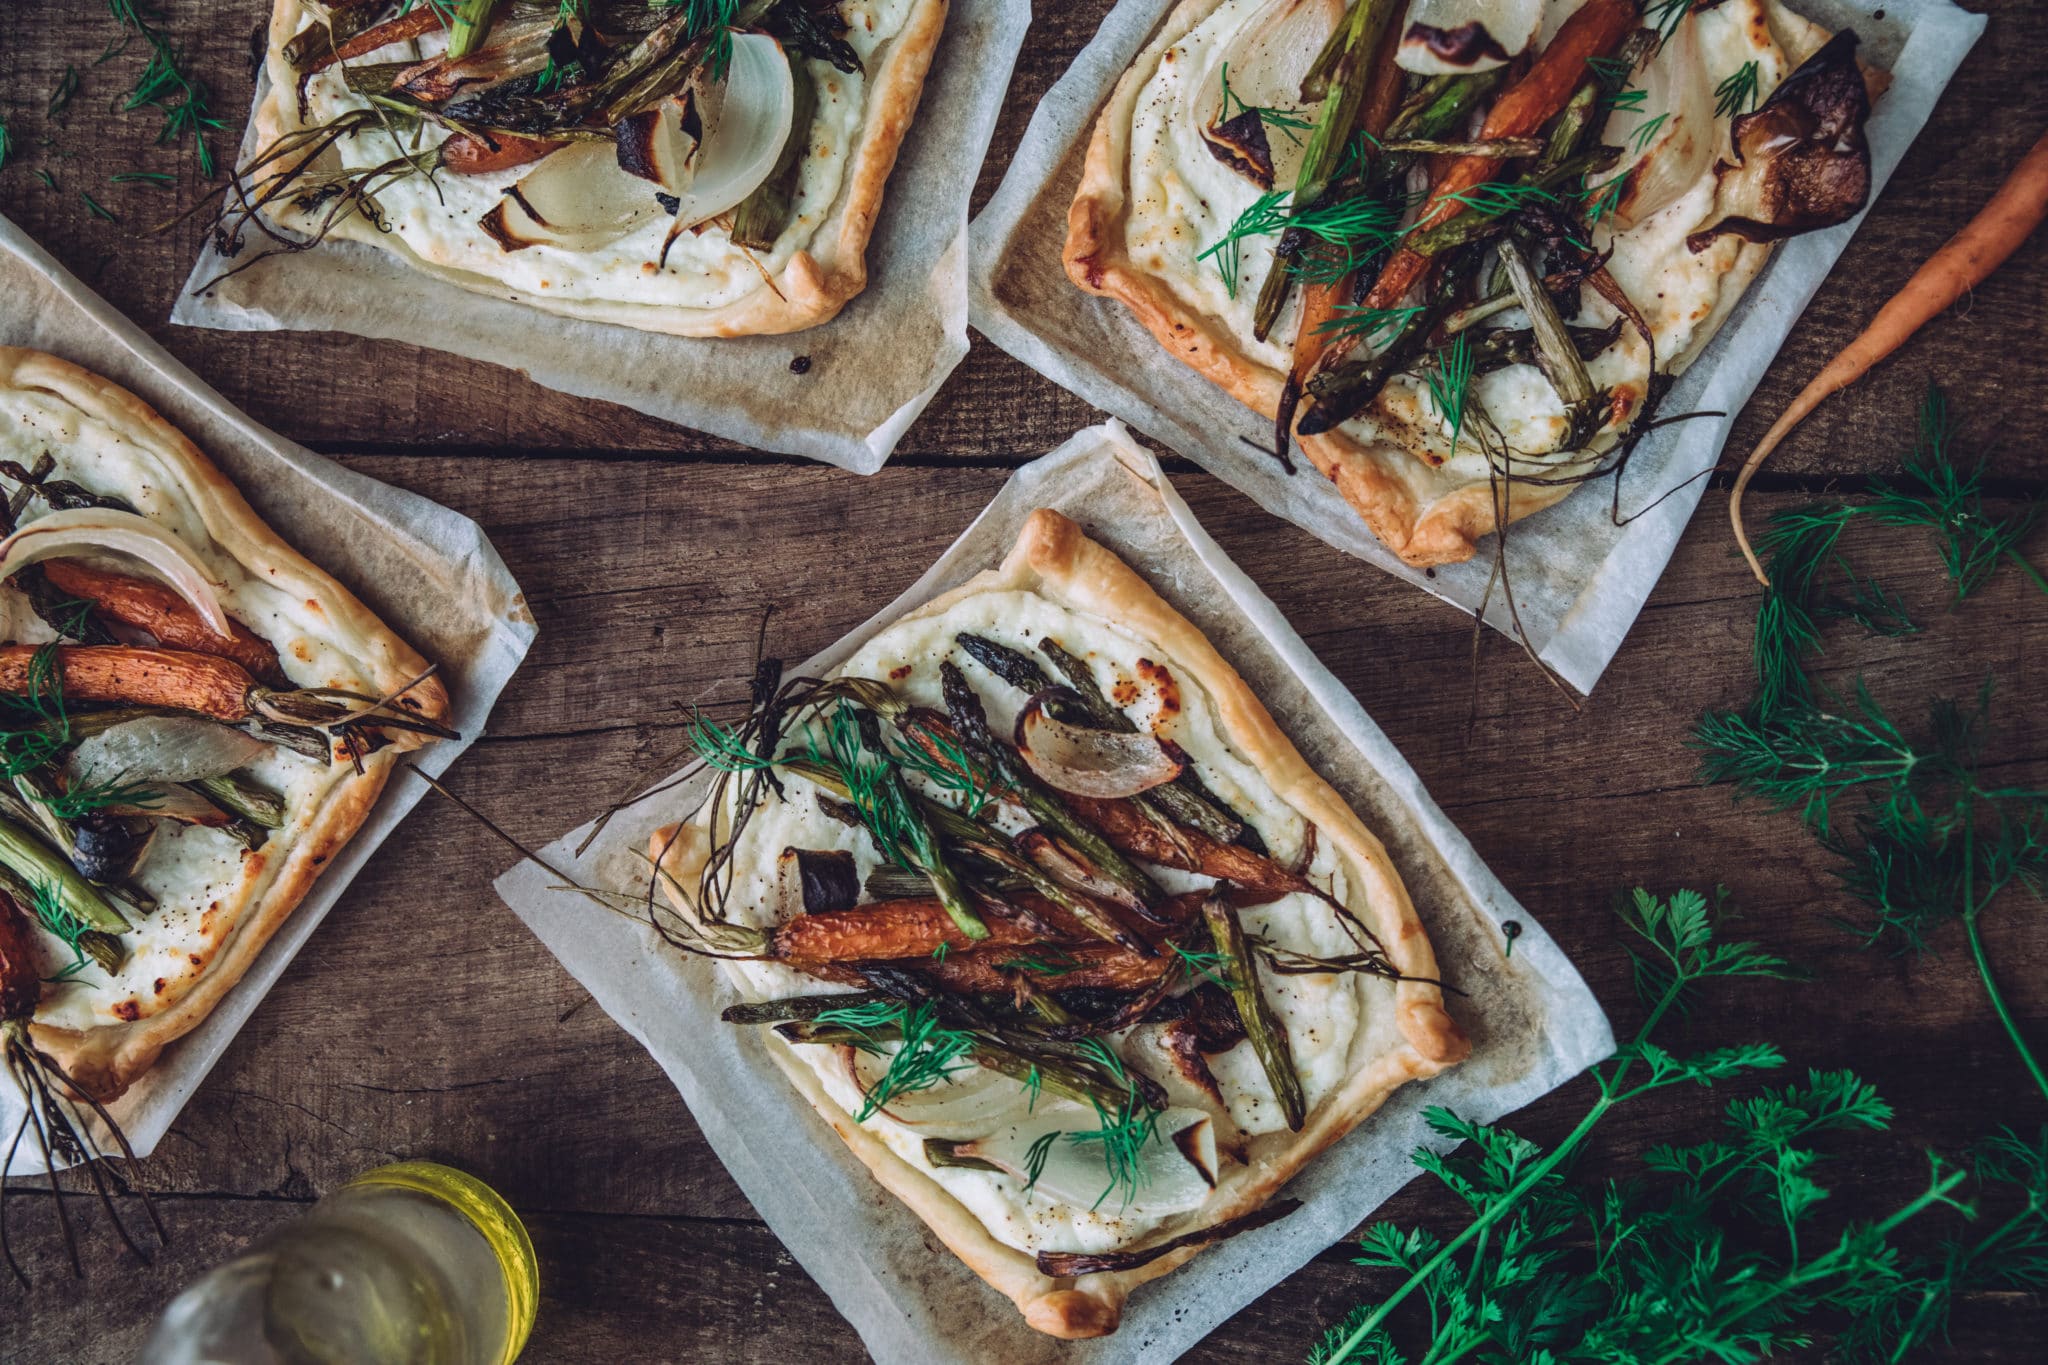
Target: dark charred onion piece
x,y
515,50
21,981
1061,1264
829,879
1183,1047
1097,763
1460,46
1240,143
1801,160
108,849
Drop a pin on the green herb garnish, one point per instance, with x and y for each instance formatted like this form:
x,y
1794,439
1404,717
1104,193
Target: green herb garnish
x,y
1737,92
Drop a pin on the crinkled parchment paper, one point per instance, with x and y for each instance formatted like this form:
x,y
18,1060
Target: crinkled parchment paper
x,y
428,572
873,368
1578,579
1533,1022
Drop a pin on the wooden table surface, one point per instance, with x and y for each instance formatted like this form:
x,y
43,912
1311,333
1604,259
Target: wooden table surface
x,y
423,1021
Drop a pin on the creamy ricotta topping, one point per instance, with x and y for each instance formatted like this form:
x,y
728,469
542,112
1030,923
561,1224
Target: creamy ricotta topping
x,y
1183,201
437,220
196,874
1334,1022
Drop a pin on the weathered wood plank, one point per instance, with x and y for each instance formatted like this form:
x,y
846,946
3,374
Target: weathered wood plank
x,y
398,396
423,1021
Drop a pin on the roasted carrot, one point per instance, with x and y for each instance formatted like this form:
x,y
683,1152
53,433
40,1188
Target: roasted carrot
x,y
1595,30
171,678
163,613
404,28
903,929
1125,826
1091,966
471,154
1972,254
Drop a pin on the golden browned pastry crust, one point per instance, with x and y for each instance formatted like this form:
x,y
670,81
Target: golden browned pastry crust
x,y
815,284
1412,507
1055,559
106,1059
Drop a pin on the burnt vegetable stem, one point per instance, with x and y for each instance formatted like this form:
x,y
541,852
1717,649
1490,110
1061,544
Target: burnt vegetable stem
x,y
940,1152
1261,1028
996,848
1556,355
972,724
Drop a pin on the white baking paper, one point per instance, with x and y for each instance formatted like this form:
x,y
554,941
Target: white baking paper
x,y
1579,580
872,369
1532,1021
428,572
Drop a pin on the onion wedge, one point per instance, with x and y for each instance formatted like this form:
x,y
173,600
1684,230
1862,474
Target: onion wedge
x,y
1104,764
581,198
1670,137
1450,37
123,533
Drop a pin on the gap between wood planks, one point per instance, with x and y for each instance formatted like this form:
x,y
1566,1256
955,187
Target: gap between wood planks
x,y
1176,466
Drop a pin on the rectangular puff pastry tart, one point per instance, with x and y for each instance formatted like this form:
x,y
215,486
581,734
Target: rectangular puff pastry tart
x,y
194,720
710,169
1458,250
1038,906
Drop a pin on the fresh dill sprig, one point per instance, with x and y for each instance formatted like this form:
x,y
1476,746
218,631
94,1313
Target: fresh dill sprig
x,y
1374,325
77,802
928,1053
153,178
97,209
721,747
1450,381
950,769
1737,92
1496,198
46,903
1123,1133
164,85
1602,200
46,727
60,98
1664,17
1291,122
1713,1255
1201,966
1036,1154
6,143
1933,838
1353,228
1646,132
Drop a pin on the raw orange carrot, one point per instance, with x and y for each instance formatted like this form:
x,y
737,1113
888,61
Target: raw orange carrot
x,y
1980,248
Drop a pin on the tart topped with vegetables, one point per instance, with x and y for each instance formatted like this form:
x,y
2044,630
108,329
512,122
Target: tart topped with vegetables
x,y
194,720
696,167
1458,250
1040,909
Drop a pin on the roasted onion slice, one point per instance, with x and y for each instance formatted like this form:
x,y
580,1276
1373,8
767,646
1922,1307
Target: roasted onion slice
x,y
1103,764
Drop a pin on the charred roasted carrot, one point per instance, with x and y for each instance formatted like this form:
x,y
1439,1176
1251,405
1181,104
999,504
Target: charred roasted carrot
x,y
1595,30
905,929
471,154
152,607
1089,966
1125,826
171,678
404,28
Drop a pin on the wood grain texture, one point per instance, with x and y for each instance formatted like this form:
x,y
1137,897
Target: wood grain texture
x,y
423,1021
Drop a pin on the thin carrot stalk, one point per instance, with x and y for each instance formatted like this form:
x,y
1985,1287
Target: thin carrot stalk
x,y
901,929
1972,254
1595,30
418,23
